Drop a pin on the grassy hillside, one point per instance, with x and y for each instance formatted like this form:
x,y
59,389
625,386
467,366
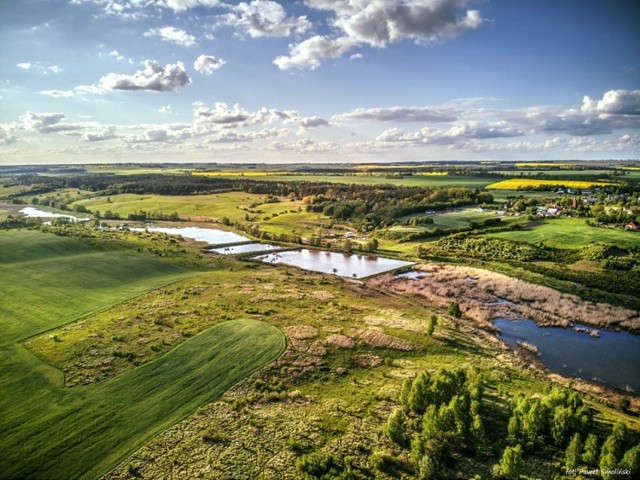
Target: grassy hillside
x,y
56,433
48,281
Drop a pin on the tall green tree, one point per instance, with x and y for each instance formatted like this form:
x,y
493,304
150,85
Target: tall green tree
x,y
395,427
590,452
572,455
511,464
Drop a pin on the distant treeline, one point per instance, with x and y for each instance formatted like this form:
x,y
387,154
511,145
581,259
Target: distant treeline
x,y
375,205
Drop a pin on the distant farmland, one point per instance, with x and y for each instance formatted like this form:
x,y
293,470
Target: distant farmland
x,y
530,183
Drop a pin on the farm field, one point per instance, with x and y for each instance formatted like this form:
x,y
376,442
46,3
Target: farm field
x,y
571,233
555,173
286,216
88,429
232,205
456,219
524,183
48,281
409,180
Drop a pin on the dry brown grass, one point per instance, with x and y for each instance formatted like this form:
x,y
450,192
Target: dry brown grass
x,y
376,338
485,295
340,341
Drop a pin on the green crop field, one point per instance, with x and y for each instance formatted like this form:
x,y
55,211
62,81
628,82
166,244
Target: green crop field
x,y
56,433
49,431
213,206
457,219
571,233
434,181
48,280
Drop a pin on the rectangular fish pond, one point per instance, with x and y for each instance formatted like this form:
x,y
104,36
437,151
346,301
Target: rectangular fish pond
x,y
212,236
341,264
246,248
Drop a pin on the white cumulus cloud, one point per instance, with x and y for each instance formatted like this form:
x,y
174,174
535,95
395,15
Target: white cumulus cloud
x,y
106,134
172,35
265,18
625,102
378,23
207,64
154,78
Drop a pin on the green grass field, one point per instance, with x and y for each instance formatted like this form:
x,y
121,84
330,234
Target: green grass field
x,y
56,433
290,216
49,280
213,206
435,181
49,431
571,233
457,219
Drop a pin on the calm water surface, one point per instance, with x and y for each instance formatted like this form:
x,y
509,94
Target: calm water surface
x,y
342,264
37,213
612,359
212,236
247,248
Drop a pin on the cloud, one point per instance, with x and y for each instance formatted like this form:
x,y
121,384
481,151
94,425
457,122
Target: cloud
x,y
46,122
59,93
376,24
311,122
154,78
121,58
264,18
172,35
6,136
107,134
305,145
459,132
165,109
150,136
221,114
619,102
310,53
39,67
402,114
207,64
136,9
232,137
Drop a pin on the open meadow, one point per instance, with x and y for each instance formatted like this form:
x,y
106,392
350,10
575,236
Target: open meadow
x,y
570,233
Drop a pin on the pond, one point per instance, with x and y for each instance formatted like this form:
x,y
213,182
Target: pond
x,y
212,236
612,359
342,264
246,248
37,213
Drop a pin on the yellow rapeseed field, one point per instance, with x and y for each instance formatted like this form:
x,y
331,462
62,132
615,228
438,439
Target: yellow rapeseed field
x,y
524,183
544,164
244,173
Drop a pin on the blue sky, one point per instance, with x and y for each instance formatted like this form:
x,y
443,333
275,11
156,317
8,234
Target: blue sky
x,y
318,80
